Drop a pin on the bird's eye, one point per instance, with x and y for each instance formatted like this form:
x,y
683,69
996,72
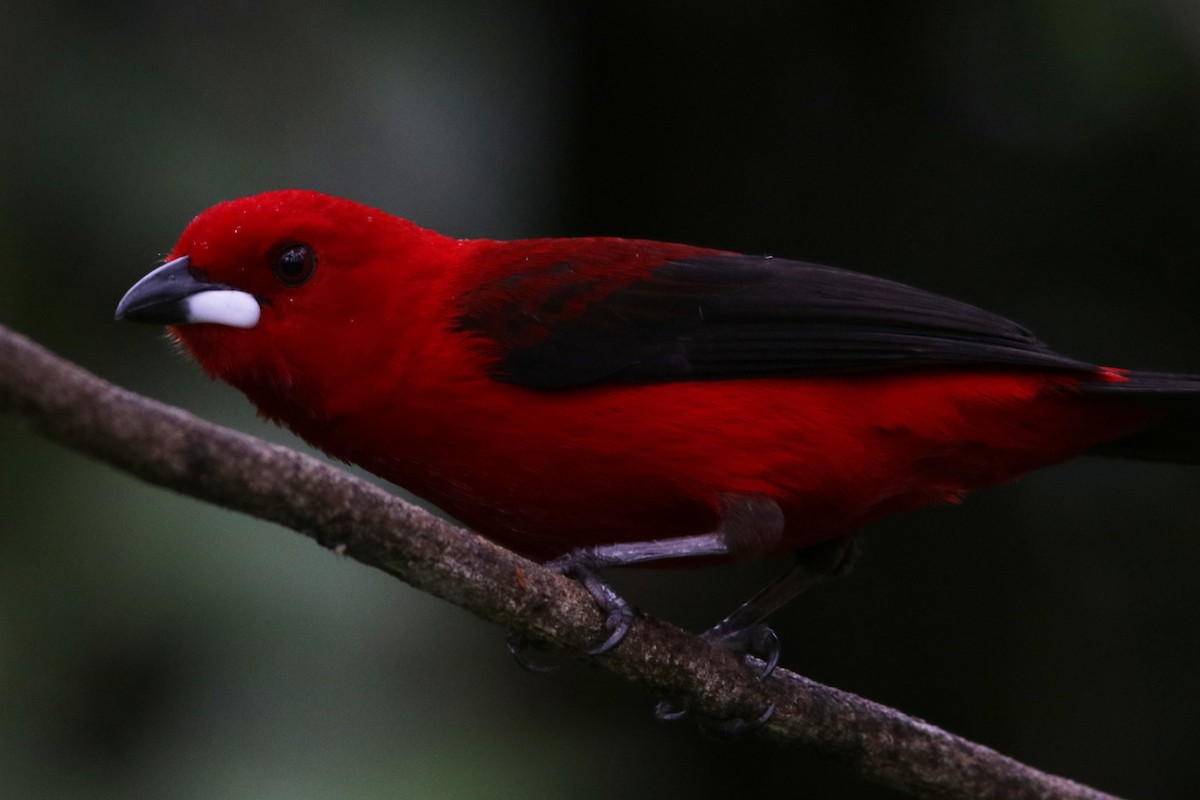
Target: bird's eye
x,y
295,264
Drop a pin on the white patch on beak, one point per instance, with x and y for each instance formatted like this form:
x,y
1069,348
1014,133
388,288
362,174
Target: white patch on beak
x,y
223,307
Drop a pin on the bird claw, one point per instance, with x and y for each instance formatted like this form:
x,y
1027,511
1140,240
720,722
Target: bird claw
x,y
667,711
619,618
618,614
731,728
522,649
758,642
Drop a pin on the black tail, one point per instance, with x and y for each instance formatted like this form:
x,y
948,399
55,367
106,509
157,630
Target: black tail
x,y
1177,437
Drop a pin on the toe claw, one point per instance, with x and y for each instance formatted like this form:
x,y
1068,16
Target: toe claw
x,y
618,614
521,646
618,622
667,711
763,642
736,727
758,641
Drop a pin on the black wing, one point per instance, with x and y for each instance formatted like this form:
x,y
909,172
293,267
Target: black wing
x,y
735,316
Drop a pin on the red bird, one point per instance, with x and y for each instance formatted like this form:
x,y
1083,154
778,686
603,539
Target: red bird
x,y
608,401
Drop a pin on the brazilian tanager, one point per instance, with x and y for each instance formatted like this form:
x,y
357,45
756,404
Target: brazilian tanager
x,y
603,401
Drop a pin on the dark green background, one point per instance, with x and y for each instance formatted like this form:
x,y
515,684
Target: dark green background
x,y
1037,158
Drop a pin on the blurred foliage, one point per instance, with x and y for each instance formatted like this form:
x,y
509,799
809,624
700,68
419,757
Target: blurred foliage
x,y
1038,158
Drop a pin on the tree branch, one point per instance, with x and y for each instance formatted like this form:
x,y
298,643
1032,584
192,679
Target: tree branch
x,y
169,447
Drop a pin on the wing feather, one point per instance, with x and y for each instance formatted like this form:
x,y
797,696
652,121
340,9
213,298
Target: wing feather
x,y
714,317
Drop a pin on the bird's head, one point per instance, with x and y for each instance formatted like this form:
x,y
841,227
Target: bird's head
x,y
286,291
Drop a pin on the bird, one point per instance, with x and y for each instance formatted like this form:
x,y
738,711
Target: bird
x,y
598,402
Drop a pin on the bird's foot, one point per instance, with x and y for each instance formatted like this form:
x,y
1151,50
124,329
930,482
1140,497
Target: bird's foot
x,y
668,711
756,644
618,614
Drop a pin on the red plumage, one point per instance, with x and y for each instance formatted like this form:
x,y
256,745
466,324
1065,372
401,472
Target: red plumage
x,y
558,393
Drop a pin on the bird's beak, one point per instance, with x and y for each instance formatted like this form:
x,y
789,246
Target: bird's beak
x,y
171,295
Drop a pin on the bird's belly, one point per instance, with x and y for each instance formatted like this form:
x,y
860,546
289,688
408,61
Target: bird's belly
x,y
543,473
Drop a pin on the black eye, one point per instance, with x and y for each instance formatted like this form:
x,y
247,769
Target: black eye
x,y
295,264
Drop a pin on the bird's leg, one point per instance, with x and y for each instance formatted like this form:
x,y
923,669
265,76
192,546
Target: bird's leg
x,y
583,563
745,628
745,631
748,524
